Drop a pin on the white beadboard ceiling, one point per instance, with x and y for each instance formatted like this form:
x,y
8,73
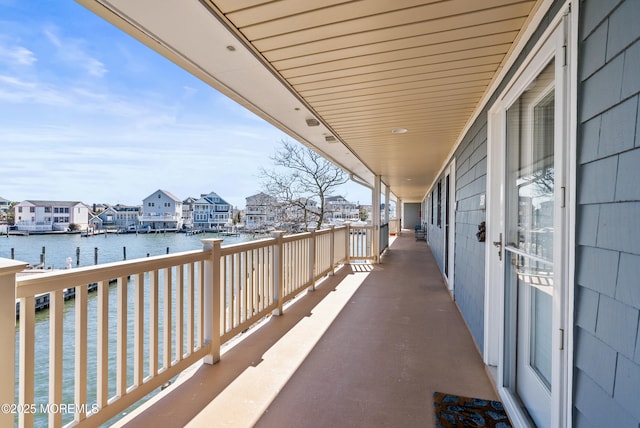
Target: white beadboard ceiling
x,y
361,68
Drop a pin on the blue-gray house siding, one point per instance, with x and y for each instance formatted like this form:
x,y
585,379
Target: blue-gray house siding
x,y
607,290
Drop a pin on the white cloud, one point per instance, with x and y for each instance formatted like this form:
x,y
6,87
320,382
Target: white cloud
x,y
73,52
17,55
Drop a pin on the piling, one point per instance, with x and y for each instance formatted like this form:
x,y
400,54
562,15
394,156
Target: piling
x,y
124,253
95,255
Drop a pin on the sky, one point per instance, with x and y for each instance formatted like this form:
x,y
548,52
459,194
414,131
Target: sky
x,y
89,114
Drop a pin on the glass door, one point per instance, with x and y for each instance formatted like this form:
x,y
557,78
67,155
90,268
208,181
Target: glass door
x,y
528,245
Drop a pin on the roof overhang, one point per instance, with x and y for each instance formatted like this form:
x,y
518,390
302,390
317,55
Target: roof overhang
x,y
343,77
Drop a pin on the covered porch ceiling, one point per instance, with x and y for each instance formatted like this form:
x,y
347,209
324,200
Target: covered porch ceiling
x,y
380,87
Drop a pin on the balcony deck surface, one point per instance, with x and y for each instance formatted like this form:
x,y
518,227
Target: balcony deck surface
x,y
368,348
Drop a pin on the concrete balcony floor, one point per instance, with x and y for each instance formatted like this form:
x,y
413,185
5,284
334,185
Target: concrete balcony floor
x,y
368,348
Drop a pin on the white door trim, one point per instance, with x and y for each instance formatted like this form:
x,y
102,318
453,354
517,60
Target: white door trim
x,y
451,201
558,41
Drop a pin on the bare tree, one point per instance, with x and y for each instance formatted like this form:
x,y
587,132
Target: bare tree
x,y
304,176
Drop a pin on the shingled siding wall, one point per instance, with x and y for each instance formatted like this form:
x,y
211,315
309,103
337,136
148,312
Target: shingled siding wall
x,y
471,186
607,339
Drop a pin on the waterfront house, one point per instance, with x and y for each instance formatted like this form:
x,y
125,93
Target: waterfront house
x,y
48,216
120,217
338,209
512,129
161,211
187,212
262,211
4,205
211,212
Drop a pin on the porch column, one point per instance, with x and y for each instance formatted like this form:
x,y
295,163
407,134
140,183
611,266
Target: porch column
x,y
387,197
375,214
8,271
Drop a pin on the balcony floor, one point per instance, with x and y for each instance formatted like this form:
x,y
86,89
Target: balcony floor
x,y
368,348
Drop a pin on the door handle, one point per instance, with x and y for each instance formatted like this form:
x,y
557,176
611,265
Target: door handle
x,y
499,245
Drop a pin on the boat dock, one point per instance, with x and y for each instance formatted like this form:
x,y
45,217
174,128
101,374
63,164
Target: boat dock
x,y
42,301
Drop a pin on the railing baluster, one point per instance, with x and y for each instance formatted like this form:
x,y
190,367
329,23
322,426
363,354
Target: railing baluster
x,y
236,291
167,320
312,260
179,331
80,368
121,341
190,306
103,344
138,340
201,304
27,349
154,285
225,287
56,306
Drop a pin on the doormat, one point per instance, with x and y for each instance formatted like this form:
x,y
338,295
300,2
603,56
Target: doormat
x,y
457,411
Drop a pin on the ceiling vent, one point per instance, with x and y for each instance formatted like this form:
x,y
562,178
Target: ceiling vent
x,y
312,122
330,139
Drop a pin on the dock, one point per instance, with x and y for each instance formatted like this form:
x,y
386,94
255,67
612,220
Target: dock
x,y
42,301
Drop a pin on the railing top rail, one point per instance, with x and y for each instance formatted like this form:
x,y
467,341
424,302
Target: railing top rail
x,y
246,246
32,285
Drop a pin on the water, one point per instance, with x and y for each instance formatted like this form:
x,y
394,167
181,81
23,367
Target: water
x,y
110,249
110,246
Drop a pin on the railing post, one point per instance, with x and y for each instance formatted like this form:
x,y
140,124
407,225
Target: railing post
x,y
347,242
8,271
312,260
212,289
332,249
278,272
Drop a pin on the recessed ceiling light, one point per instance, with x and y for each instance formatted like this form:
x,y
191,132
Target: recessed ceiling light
x,y
399,130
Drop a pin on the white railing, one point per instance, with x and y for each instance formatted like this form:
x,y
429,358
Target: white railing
x,y
361,242
150,320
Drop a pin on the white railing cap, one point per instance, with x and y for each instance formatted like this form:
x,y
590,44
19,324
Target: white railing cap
x,y
8,266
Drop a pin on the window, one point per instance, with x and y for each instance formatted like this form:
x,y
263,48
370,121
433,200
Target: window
x,y
439,213
432,210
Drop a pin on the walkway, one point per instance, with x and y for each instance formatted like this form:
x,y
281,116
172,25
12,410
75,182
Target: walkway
x,y
367,349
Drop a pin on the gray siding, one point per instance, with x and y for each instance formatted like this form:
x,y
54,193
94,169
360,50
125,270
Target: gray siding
x,y
607,307
411,215
471,184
